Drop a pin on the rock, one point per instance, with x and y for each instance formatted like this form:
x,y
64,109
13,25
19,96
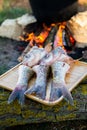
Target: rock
x,y
13,28
78,27
10,29
25,20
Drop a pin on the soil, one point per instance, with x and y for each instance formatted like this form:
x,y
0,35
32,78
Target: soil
x,y
8,54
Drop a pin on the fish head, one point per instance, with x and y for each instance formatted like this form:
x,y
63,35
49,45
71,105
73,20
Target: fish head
x,y
47,59
34,56
53,56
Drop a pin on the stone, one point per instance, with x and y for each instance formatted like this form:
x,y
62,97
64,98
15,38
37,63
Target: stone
x,y
78,27
13,28
25,20
10,29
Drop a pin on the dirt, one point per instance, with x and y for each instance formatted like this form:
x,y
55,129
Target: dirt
x,y
8,54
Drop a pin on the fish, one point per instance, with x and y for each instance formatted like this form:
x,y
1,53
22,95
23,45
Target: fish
x,y
60,63
25,72
24,75
39,87
58,84
34,56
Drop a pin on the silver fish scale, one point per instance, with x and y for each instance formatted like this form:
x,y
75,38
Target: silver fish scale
x,y
58,72
25,73
42,74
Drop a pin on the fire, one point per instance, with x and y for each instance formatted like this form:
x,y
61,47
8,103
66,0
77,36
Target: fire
x,y
37,40
59,36
59,39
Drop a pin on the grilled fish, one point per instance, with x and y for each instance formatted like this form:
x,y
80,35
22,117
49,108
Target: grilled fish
x,y
39,88
60,63
25,74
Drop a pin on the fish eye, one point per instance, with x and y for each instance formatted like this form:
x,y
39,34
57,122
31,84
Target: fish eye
x,y
47,56
63,64
27,56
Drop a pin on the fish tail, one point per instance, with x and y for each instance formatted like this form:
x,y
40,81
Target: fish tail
x,y
39,90
58,90
17,93
31,90
67,95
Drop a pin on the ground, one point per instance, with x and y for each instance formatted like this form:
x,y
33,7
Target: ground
x,y
8,54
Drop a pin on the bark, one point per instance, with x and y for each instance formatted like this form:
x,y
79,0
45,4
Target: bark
x,y
34,112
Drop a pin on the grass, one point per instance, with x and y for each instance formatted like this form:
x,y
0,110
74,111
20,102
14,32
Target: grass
x,y
3,69
11,13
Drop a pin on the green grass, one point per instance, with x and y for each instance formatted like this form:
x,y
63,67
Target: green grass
x,y
3,69
11,13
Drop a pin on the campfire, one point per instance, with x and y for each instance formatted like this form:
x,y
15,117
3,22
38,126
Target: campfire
x,y
40,35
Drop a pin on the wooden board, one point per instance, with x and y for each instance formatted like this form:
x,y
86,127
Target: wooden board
x,y
79,70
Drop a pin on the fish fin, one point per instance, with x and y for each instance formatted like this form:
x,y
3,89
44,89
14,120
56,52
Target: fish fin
x,y
58,90
18,93
38,90
30,90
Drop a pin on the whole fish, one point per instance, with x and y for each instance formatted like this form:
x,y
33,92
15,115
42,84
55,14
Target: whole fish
x,y
39,88
60,63
58,85
24,75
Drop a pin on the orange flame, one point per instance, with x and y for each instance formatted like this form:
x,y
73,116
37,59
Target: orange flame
x,y
59,38
38,40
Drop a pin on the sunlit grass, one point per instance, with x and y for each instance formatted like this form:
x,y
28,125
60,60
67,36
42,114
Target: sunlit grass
x,y
11,13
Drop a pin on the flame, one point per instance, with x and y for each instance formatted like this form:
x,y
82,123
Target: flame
x,y
59,36
37,40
